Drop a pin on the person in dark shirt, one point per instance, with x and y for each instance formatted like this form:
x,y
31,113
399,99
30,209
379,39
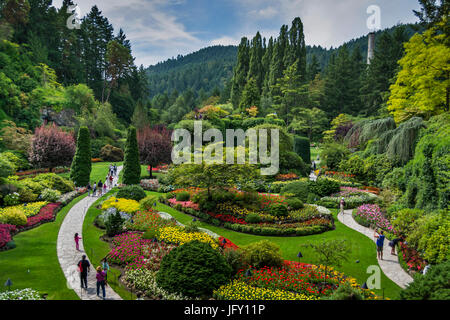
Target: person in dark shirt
x,y
393,243
84,267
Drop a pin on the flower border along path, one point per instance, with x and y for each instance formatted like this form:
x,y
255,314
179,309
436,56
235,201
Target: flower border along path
x,y
68,256
390,265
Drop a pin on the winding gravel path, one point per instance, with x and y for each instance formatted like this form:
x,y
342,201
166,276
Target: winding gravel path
x,y
68,256
390,265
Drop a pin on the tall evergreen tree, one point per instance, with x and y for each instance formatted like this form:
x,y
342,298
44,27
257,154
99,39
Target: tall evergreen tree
x,y
266,61
313,68
80,171
256,70
131,165
250,95
296,51
240,72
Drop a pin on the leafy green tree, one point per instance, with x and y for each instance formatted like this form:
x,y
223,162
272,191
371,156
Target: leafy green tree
x,y
309,122
131,165
422,87
80,171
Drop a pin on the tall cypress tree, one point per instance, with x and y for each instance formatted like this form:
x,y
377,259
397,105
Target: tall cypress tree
x,y
131,165
313,68
256,70
80,172
277,65
266,61
240,72
296,51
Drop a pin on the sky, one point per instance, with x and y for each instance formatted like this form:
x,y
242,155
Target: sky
x,y
162,29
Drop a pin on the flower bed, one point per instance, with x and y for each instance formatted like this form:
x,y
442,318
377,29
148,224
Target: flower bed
x,y
184,204
30,209
46,214
148,220
411,258
23,294
286,177
370,215
123,205
150,184
178,236
6,232
351,202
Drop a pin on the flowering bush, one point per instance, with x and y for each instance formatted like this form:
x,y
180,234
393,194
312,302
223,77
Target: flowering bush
x,y
370,214
14,216
24,294
179,236
12,199
50,195
227,244
123,205
150,184
411,258
184,204
5,233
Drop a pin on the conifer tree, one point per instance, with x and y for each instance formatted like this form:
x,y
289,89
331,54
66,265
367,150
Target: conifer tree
x,y
240,72
80,172
131,165
256,70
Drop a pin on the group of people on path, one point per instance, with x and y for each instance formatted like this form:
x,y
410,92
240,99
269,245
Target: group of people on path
x,y
83,265
100,188
84,268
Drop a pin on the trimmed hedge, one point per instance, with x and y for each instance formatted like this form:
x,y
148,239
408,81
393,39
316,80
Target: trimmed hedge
x,y
302,146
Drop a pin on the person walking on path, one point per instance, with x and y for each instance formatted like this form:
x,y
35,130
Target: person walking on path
x,y
101,281
89,188
84,267
100,186
94,189
105,267
342,206
380,244
77,240
104,188
393,244
111,181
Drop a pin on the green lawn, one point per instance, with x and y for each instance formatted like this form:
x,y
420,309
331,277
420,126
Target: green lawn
x,y
36,252
99,171
362,248
315,151
97,249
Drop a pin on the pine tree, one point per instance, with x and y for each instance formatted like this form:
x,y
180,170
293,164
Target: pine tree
x,y
80,171
250,95
256,70
296,51
313,68
266,60
131,165
277,66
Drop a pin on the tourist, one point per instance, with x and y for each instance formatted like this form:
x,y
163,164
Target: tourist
x,y
115,170
101,281
84,267
380,244
314,165
77,239
100,186
342,205
94,189
105,267
393,244
89,188
104,188
111,181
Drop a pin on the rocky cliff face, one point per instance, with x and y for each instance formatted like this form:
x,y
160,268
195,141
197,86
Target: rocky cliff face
x,y
65,118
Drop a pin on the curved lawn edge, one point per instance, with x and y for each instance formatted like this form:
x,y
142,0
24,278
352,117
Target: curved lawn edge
x,y
97,249
36,251
363,249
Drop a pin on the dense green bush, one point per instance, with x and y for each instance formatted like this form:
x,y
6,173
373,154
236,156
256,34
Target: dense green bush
x,y
114,224
262,254
183,196
148,202
50,195
332,154
134,192
235,258
53,181
299,189
111,153
194,269
403,220
324,187
150,234
253,218
278,210
80,171
292,162
302,146
346,292
294,203
434,285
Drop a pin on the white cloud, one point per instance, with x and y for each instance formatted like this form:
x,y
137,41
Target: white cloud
x,y
225,41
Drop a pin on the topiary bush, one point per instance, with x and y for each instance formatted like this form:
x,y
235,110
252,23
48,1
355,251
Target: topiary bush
x,y
302,146
80,171
131,165
262,254
253,218
278,210
324,187
134,192
194,269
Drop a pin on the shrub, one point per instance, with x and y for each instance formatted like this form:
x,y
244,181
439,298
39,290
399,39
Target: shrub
x,y
50,195
404,219
148,202
14,216
55,182
262,254
294,203
114,224
80,171
324,187
131,165
184,270
12,199
346,292
299,189
278,210
150,234
111,153
431,286
332,154
134,192
6,168
302,147
253,218
183,196
192,227
235,258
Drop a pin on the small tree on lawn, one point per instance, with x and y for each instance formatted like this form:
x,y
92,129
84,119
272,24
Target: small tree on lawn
x,y
131,166
330,253
51,147
80,172
155,146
